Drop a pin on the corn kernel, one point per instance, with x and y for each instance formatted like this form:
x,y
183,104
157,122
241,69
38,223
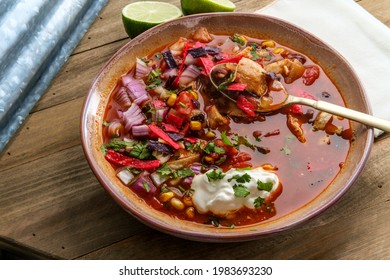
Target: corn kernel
x,y
172,99
176,203
278,50
210,134
194,94
166,196
268,44
208,159
190,212
195,125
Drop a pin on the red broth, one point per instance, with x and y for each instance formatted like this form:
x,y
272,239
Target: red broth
x,y
305,167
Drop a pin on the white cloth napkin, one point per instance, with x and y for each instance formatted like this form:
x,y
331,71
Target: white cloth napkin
x,y
357,35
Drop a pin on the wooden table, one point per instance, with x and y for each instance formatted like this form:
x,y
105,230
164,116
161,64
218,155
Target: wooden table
x,y
52,206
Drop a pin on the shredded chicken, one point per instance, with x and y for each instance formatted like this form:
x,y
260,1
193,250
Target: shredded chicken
x,y
177,47
290,69
321,120
215,118
252,74
183,162
296,128
201,34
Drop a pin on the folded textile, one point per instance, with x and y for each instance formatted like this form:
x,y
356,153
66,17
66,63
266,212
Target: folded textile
x,y
356,34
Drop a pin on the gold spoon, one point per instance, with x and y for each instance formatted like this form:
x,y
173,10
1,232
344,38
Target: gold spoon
x,y
288,99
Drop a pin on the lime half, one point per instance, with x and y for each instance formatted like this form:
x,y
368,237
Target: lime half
x,y
190,7
138,17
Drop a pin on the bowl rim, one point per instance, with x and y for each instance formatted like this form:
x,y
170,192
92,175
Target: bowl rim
x,y
223,236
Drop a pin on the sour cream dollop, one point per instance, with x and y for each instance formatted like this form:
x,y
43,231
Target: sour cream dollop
x,y
221,196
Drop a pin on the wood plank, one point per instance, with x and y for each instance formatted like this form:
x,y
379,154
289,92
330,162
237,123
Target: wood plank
x,y
44,133
108,26
347,233
64,212
379,9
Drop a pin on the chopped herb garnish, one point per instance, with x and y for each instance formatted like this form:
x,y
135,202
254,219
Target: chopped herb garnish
x,y
240,190
241,140
181,104
245,178
215,175
140,151
225,139
212,148
239,39
254,54
146,186
258,202
183,173
264,186
153,79
164,189
224,85
116,145
164,170
106,123
189,192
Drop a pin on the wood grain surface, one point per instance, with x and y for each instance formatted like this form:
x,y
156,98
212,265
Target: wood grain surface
x,y
52,206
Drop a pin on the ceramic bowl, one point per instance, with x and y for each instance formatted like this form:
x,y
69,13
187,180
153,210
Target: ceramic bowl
x,y
253,25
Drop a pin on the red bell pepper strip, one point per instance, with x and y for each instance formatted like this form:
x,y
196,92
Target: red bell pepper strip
x,y
174,120
117,158
192,140
170,128
207,64
246,106
187,46
198,44
234,59
297,109
161,134
237,86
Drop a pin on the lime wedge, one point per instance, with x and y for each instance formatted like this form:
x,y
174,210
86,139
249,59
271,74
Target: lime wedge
x,y
138,17
206,6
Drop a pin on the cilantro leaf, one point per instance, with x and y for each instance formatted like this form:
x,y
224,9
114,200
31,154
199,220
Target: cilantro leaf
x,y
264,186
245,178
146,186
240,190
241,140
224,85
164,170
212,148
254,54
183,173
258,202
140,151
215,174
116,145
153,79
225,139
239,39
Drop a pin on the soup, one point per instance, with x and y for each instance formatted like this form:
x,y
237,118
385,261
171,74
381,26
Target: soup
x,y
190,152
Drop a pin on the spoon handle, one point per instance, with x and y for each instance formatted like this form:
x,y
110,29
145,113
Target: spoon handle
x,y
345,112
